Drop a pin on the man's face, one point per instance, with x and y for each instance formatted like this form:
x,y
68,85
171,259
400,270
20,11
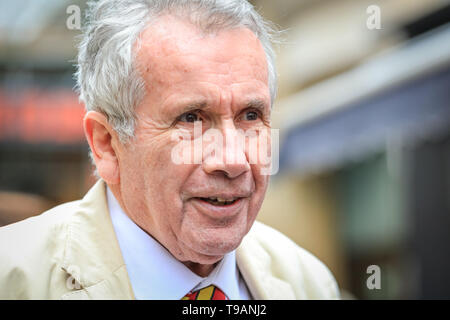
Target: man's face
x,y
220,80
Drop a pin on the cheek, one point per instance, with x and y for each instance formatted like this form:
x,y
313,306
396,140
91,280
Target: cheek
x,y
147,169
166,174
152,184
259,154
261,183
164,180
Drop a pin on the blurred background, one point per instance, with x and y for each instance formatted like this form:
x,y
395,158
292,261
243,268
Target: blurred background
x,y
364,116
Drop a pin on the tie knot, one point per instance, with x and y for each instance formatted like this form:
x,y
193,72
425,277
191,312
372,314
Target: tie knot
x,y
208,293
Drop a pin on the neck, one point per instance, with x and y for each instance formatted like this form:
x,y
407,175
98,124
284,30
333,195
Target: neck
x,y
202,270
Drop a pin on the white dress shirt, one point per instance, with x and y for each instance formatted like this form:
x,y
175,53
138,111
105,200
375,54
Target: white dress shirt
x,y
156,275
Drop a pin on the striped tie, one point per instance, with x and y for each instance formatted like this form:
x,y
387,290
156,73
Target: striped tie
x,y
208,293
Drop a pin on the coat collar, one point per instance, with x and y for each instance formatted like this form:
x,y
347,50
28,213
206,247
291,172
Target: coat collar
x,y
92,257
257,266
92,254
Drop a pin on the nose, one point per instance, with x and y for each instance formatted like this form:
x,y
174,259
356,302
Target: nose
x,y
224,152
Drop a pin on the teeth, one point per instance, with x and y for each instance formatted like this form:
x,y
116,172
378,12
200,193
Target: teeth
x,y
221,200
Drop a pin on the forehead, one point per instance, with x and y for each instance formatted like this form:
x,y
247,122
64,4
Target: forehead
x,y
175,47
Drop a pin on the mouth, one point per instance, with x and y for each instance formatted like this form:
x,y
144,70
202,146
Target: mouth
x,y
219,206
221,202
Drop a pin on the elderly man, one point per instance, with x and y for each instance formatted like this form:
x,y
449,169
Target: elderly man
x,y
151,227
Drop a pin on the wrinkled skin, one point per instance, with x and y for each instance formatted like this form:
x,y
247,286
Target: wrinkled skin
x,y
181,66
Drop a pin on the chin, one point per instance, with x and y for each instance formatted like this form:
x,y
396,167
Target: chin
x,y
215,247
212,242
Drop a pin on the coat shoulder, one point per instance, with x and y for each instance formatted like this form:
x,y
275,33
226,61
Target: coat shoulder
x,y
29,233
32,251
309,277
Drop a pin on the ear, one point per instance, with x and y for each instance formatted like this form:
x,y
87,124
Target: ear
x,y
102,140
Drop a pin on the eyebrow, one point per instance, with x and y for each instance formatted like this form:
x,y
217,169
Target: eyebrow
x,y
257,104
200,105
194,106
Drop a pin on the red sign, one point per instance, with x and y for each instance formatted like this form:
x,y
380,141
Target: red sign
x,y
41,116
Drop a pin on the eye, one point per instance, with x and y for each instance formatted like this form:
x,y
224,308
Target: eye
x,y
250,115
189,117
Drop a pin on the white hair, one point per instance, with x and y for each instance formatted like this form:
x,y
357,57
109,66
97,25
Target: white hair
x,y
107,78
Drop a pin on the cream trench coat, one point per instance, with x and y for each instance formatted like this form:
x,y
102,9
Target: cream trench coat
x,y
71,252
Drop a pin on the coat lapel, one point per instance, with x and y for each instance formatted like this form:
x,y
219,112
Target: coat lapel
x,y
92,256
256,266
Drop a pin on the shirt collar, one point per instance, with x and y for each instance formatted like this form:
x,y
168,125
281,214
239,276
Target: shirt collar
x,y
154,273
